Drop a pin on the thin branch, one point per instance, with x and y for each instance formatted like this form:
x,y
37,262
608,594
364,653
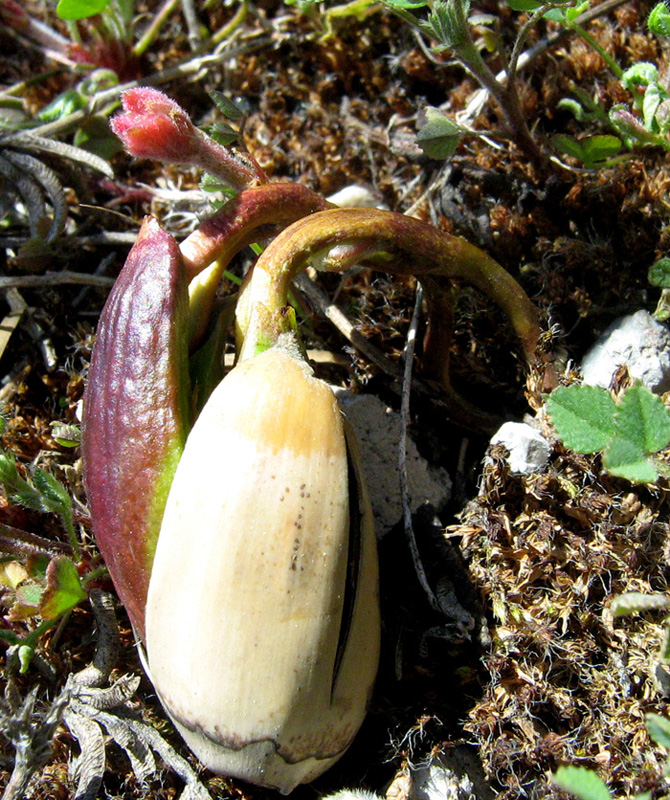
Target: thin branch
x,y
481,96
55,279
192,24
323,304
408,358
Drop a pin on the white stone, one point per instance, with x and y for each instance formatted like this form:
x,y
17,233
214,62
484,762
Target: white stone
x,y
449,777
641,343
356,196
377,429
528,450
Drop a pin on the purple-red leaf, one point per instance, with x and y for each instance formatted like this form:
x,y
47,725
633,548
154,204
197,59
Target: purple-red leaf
x,y
136,411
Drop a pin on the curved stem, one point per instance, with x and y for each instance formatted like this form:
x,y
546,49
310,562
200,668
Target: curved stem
x,y
336,239
251,215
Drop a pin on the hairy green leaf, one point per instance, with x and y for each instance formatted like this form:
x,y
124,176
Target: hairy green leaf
x,y
439,137
643,420
226,106
644,73
584,417
29,594
625,459
659,20
582,782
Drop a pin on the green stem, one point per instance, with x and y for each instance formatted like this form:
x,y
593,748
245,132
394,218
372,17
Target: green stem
x,y
236,20
606,57
152,31
336,239
251,215
94,574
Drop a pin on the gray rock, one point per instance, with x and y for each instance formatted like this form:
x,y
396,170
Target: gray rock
x,y
641,343
528,450
457,775
377,429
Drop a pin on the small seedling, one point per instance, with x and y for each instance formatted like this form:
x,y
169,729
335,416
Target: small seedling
x,y
593,151
585,784
644,121
628,432
40,582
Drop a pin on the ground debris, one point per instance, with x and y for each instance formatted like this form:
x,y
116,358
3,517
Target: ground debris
x,y
548,553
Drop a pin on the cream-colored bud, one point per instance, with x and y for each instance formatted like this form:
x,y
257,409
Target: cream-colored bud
x,y
262,615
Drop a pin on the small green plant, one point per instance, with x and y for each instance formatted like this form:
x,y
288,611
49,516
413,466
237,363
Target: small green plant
x,y
41,581
451,26
629,432
585,784
644,121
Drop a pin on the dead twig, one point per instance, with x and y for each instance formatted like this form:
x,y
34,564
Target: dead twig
x,y
55,279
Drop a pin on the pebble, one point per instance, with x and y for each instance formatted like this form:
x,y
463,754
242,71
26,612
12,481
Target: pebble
x,y
637,341
377,430
528,450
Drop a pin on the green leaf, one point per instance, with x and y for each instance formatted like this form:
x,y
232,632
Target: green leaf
x,y
659,273
53,492
659,729
226,106
439,137
584,417
653,97
222,134
66,435
575,108
633,602
625,459
524,5
644,73
566,15
30,594
37,566
643,420
659,20
582,782
62,106
406,3
593,151
448,23
25,654
63,591
575,11
80,9
8,471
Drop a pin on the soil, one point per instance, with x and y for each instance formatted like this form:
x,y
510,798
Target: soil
x,y
526,669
